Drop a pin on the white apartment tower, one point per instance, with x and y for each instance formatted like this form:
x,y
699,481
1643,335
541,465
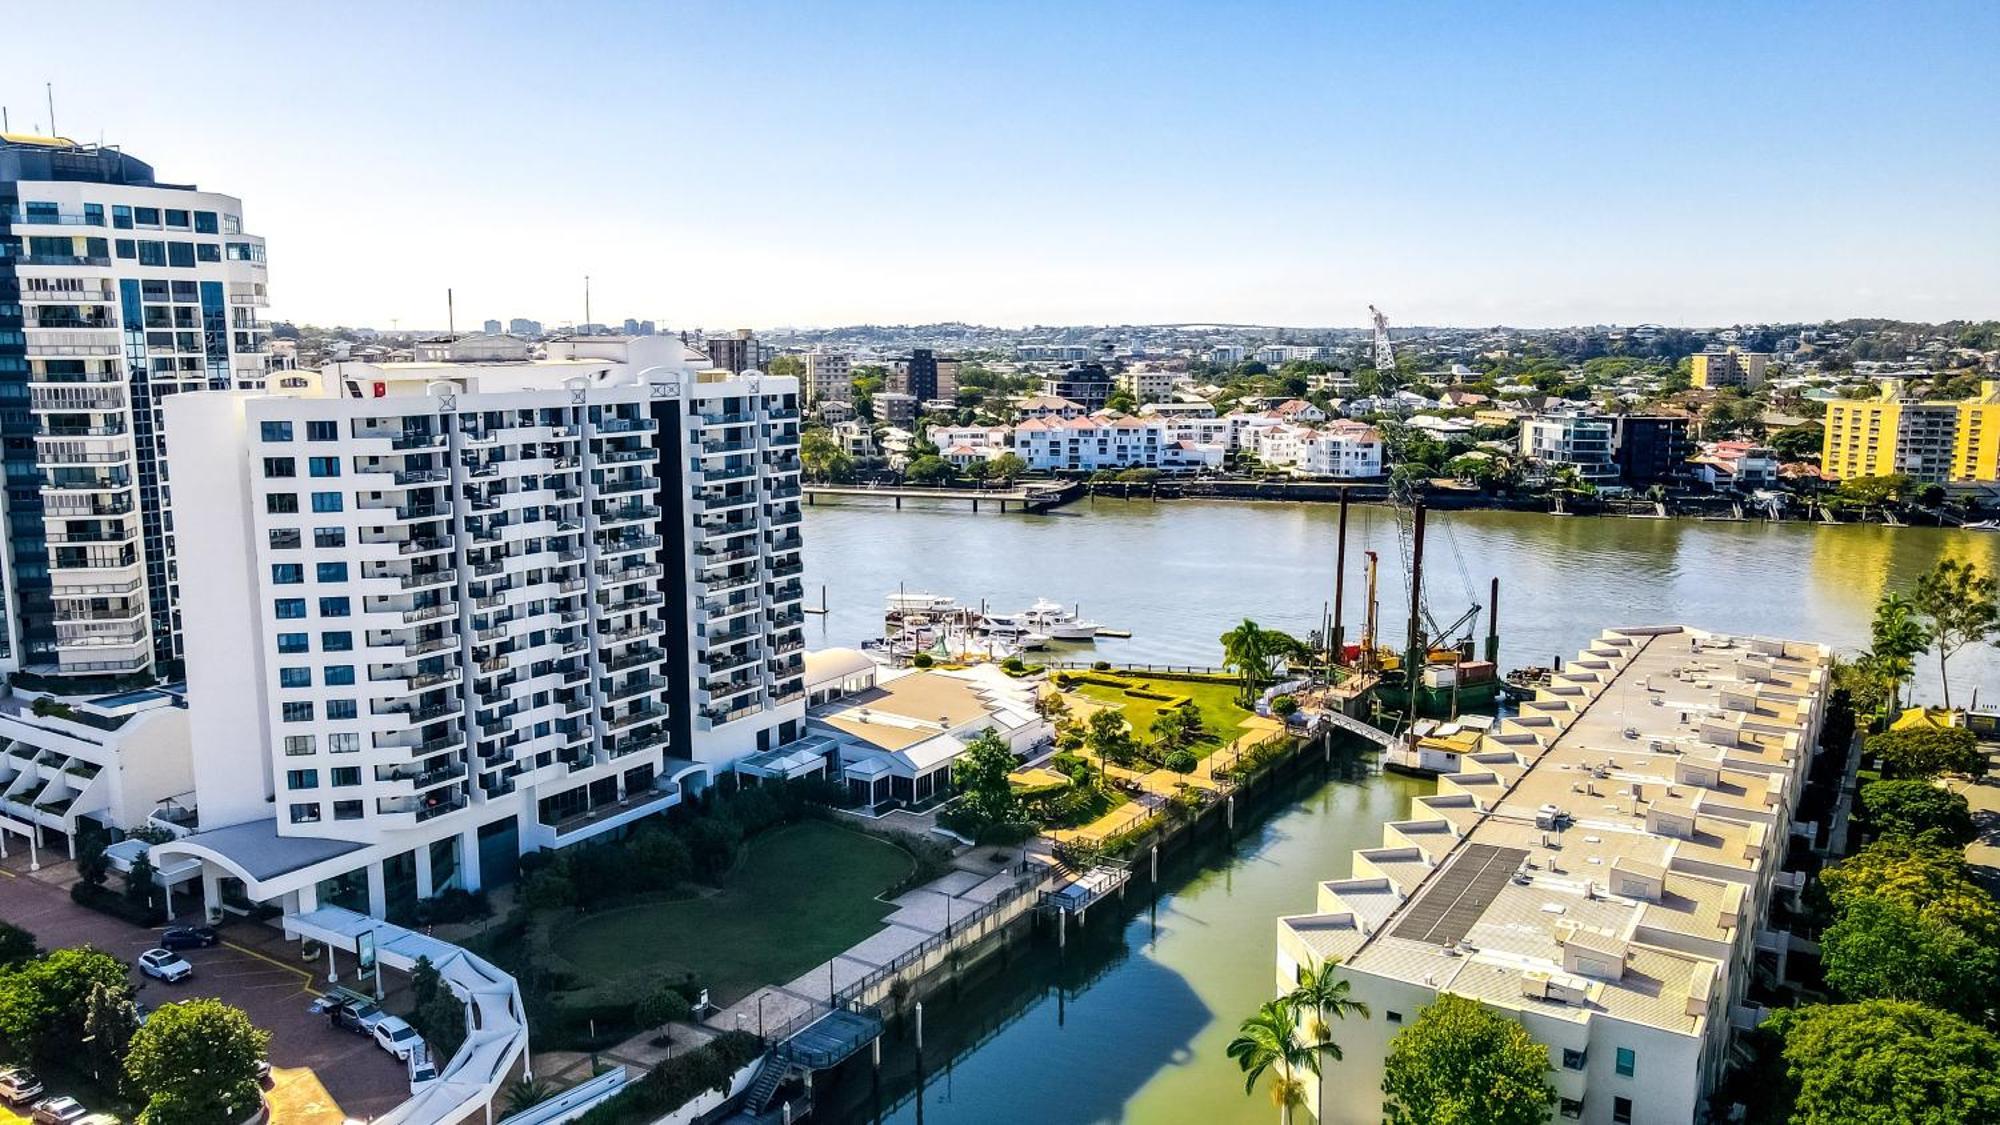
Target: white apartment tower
x,y
117,292
453,612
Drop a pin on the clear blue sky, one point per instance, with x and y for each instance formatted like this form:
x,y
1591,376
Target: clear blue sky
x,y
729,164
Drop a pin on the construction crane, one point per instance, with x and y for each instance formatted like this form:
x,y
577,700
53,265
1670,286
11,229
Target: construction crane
x,y
1385,353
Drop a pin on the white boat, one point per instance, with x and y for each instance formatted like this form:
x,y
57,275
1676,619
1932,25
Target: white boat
x,y
932,604
1982,525
1013,627
1049,617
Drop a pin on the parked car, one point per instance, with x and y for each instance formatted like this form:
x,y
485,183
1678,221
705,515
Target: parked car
x,y
165,964
357,1016
59,1111
19,1086
189,937
395,1035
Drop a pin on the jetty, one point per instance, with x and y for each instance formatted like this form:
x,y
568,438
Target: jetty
x,y
1028,496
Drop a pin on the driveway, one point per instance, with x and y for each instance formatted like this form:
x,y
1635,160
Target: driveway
x,y
320,1074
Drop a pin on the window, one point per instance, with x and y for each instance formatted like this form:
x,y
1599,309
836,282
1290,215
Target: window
x,y
1572,1108
290,609
305,814
322,431
347,810
282,503
343,743
327,502
177,219
340,709
204,223
344,776
331,572
340,675
302,779
298,712
284,538
1393,1017
322,466
152,253
146,216
291,643
126,248
121,216
334,607
1621,1111
295,677
1628,1062
324,537
287,574
180,255
1572,1060
275,431
336,642
298,745
207,252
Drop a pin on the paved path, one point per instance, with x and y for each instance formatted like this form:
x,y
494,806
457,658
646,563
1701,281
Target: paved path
x,y
321,1076
1983,796
920,915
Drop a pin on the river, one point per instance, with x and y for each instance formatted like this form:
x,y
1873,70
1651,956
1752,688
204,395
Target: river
x,y
1132,1025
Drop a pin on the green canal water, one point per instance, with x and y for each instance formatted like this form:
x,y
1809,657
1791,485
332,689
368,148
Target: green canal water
x,y
1130,1022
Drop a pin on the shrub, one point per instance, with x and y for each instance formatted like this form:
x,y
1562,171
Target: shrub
x,y
1284,706
679,1080
1100,665
453,904
1014,665
922,660
106,901
1925,752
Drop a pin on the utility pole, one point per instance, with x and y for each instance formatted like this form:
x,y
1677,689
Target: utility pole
x,y
1335,635
1413,657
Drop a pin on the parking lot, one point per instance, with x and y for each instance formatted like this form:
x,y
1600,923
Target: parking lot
x,y
321,1076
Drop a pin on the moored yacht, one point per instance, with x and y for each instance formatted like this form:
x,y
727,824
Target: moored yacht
x,y
1049,617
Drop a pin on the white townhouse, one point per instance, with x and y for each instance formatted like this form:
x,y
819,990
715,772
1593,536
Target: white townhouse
x,y
1105,440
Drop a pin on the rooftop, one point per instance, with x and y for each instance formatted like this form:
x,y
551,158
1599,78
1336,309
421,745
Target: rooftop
x,y
1599,847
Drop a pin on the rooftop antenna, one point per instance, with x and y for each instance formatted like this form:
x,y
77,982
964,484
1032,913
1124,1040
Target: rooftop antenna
x,y
586,301
450,314
4,127
51,88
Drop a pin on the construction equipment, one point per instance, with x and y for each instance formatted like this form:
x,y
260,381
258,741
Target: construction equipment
x,y
1385,353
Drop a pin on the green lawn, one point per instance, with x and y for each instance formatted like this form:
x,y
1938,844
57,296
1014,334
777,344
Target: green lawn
x,y
802,894
1220,714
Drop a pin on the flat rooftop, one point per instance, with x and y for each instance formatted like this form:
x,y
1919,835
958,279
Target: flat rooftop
x,y
1602,847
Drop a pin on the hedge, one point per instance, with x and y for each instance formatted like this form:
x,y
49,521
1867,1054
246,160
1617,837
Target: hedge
x,y
678,1081
117,905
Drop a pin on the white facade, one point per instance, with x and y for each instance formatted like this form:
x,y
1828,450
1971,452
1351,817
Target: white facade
x,y
1145,384
1577,441
130,292
1599,869
828,377
1105,440
447,602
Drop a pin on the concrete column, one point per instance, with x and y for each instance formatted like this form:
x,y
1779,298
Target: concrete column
x,y
468,859
211,891
378,891
168,890
308,898
424,888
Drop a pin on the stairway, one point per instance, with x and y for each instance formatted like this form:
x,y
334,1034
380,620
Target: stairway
x,y
758,1097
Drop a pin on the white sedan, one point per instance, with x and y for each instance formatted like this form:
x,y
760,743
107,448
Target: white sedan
x,y
165,964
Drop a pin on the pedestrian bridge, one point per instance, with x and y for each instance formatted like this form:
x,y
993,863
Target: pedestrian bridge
x,y
1355,726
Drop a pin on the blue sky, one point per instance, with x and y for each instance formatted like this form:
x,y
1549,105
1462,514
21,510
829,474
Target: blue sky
x,y
728,165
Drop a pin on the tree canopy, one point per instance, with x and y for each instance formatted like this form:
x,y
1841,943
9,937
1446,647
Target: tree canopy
x,y
1886,1062
1931,880
1960,605
1462,1063
44,1001
1883,949
981,777
1920,811
195,1062
1925,752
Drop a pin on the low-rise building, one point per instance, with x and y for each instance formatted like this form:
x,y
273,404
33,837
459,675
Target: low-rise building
x,y
1650,448
1147,384
1105,440
1087,384
896,409
893,733
1728,367
1600,866
1339,449
1740,466
826,377
1573,440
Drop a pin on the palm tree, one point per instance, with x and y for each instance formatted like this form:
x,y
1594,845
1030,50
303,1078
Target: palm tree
x,y
1250,648
1270,1039
1897,638
1323,994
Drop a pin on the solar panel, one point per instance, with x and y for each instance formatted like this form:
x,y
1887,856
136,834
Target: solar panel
x,y
1456,898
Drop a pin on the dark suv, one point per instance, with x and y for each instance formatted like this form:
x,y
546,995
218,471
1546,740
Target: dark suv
x,y
189,937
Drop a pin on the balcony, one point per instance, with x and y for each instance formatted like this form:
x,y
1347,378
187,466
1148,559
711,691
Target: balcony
x,y
633,484
622,545
627,426
635,717
627,514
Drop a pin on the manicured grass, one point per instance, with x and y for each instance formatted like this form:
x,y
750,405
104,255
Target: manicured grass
x,y
1220,715
802,894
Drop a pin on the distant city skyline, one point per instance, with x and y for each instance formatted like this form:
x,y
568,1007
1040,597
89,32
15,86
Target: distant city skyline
x,y
1271,164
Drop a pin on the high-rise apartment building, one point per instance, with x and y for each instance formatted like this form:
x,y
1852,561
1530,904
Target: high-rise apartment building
x,y
117,292
1728,367
454,612
737,352
1650,448
828,377
1937,442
